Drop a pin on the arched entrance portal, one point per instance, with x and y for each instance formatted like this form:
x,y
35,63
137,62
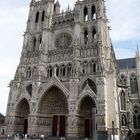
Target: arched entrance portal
x,y
21,120
87,114
54,107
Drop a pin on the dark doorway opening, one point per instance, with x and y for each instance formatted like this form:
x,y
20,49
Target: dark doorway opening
x,y
87,128
59,126
25,126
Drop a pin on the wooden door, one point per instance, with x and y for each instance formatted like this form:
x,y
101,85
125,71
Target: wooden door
x,y
54,126
87,128
62,126
25,126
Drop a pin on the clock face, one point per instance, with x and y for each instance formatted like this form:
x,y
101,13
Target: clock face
x,y
63,40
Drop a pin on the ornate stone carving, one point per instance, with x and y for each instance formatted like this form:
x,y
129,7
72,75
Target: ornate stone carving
x,y
63,40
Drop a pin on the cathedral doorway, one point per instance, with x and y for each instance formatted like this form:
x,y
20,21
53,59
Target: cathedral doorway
x,y
86,117
54,106
21,119
58,126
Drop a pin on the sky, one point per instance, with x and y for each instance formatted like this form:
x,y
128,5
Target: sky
x,y
124,19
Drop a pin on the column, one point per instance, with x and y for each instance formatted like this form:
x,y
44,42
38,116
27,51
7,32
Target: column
x,y
94,124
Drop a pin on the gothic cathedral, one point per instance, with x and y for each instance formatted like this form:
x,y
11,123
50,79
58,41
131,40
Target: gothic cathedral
x,y
68,82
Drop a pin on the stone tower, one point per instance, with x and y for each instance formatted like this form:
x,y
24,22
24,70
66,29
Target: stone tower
x,y
65,84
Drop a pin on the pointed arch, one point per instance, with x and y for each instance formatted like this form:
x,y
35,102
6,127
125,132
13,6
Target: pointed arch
x,y
54,82
133,83
53,101
123,100
85,107
34,45
22,112
37,17
85,14
136,117
123,120
43,16
86,37
29,89
93,12
91,84
22,107
94,36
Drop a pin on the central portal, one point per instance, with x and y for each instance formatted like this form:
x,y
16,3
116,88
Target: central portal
x,y
54,107
58,126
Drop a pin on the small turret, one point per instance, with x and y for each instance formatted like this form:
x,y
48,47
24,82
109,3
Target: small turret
x,y
32,3
57,7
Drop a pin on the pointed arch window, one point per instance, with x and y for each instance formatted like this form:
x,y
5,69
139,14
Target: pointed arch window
x,y
94,37
63,70
34,72
124,120
86,37
136,118
34,45
123,79
57,71
37,17
50,72
29,89
43,16
123,100
93,13
28,73
40,42
69,69
85,14
85,67
133,84
93,66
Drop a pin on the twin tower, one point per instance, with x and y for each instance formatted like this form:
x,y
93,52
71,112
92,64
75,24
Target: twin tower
x,y
65,83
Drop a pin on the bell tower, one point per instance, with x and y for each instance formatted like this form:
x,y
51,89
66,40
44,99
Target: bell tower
x,y
91,28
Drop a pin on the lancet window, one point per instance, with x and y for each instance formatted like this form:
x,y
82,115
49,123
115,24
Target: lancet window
x,y
57,71
94,37
34,45
85,67
133,84
63,70
123,100
69,69
40,42
43,16
37,17
86,37
93,13
50,71
85,14
29,89
28,73
124,120
34,73
136,118
93,66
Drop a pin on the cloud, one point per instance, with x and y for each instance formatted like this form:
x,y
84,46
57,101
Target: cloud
x,y
124,19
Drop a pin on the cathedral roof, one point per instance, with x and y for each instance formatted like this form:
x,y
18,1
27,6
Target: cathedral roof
x,y
1,115
128,63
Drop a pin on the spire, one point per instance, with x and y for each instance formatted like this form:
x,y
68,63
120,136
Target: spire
x,y
57,3
32,2
137,53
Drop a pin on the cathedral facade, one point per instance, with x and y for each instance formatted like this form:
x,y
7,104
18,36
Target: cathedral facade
x,y
68,82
